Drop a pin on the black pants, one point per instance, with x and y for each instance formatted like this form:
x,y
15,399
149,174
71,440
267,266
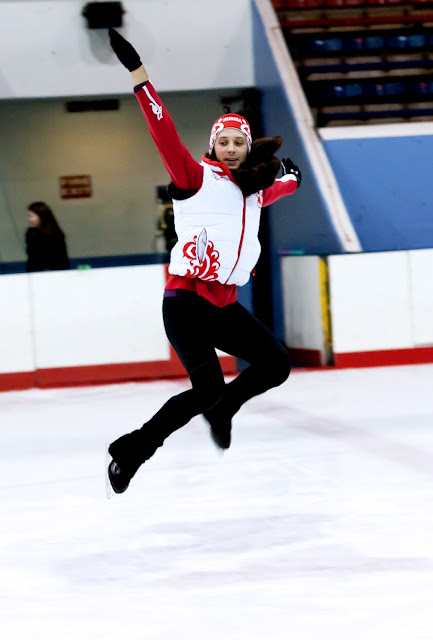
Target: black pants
x,y
195,328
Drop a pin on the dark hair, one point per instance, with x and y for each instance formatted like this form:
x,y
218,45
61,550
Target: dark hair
x,y
257,172
49,224
260,167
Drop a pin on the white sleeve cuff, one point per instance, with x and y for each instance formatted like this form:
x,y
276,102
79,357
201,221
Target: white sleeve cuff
x,y
287,177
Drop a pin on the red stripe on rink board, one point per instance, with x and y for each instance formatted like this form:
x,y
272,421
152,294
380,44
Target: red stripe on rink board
x,y
17,381
102,373
130,371
419,355
124,372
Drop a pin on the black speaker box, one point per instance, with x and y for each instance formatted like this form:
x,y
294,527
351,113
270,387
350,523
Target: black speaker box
x,y
101,15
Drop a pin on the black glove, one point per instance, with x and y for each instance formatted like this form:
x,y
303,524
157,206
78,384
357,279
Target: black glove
x,y
124,50
288,167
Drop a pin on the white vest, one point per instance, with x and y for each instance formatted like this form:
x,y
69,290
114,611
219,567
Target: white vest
x,y
217,231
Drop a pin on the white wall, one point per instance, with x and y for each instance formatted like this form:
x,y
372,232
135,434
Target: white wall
x,y
40,142
198,47
47,50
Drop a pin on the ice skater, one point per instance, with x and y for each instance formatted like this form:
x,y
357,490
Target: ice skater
x,y
217,204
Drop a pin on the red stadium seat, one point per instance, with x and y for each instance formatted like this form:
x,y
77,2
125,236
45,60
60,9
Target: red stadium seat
x,y
344,3
305,4
280,4
386,2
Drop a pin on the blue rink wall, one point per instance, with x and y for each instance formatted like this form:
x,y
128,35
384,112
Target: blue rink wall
x,y
386,184
298,224
384,173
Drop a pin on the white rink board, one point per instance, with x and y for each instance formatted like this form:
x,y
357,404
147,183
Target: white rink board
x,y
16,351
301,299
99,316
421,285
370,302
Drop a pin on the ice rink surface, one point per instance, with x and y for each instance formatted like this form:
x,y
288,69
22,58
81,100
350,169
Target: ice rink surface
x,y
317,524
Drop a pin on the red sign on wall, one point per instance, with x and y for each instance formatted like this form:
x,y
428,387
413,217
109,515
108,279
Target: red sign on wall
x,y
75,187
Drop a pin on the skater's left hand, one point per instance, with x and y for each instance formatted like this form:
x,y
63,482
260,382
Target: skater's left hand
x,y
124,50
289,168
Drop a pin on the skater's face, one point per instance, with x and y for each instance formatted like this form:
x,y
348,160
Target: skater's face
x,y
231,148
33,220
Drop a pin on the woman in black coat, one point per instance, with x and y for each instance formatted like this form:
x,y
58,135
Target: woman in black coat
x,y
45,241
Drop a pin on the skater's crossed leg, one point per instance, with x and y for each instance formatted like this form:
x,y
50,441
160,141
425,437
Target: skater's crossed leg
x,y
250,340
195,328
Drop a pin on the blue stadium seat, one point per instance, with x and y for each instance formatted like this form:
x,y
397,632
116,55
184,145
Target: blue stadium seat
x,y
397,42
354,44
326,44
374,42
386,89
417,40
423,88
343,91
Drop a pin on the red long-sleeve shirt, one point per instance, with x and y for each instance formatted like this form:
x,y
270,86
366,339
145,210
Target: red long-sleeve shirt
x,y
187,173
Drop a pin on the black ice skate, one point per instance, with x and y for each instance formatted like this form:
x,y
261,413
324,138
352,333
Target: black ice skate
x,y
119,480
128,453
220,420
221,435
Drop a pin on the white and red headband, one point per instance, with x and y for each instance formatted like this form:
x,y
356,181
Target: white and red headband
x,y
232,121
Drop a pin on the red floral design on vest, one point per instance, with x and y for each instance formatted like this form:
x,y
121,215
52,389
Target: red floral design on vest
x,y
203,258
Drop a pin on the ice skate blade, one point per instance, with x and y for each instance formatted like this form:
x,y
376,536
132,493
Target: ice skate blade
x,y
108,488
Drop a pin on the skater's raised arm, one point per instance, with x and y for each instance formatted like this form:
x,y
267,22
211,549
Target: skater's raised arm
x,y
128,56
185,172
